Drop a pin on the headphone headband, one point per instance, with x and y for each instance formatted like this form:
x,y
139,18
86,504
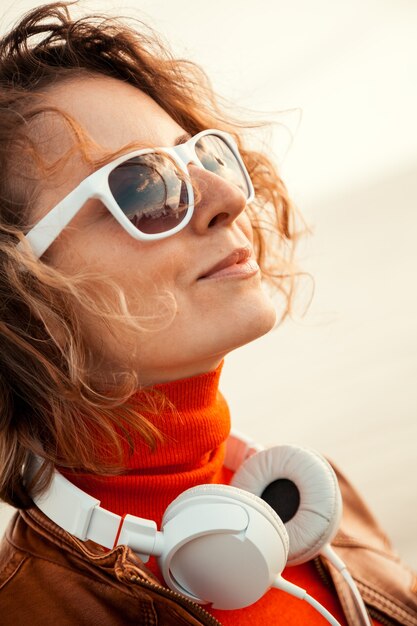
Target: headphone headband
x,y
80,514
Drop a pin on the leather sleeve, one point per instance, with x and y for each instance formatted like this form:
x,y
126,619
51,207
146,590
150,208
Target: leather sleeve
x,y
387,585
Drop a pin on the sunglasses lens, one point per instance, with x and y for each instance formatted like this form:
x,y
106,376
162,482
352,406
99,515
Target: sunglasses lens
x,y
216,156
151,191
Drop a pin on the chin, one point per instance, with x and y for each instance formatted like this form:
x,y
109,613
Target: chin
x,y
261,323
249,322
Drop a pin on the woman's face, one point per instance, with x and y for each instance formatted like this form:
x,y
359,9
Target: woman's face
x,y
213,315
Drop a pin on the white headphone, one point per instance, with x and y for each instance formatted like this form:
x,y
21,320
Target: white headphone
x,y
240,524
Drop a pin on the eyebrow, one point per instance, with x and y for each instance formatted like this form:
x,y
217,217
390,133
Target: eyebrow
x,y
182,138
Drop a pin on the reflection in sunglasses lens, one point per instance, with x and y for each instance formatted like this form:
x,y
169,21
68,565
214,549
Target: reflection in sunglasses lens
x,y
151,191
216,156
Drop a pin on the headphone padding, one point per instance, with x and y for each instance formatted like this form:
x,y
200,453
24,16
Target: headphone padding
x,y
318,517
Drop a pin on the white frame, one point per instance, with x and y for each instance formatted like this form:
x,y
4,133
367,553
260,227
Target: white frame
x,y
96,185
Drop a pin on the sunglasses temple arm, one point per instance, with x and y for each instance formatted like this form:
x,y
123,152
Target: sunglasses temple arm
x,y
49,227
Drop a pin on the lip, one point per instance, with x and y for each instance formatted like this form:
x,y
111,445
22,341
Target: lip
x,y
238,263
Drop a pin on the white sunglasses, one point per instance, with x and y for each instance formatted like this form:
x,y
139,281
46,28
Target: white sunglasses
x,y
148,191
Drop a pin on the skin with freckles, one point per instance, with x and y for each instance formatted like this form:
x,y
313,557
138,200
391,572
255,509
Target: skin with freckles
x,y
211,316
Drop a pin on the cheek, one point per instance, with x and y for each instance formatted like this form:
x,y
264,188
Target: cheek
x,y
148,276
245,224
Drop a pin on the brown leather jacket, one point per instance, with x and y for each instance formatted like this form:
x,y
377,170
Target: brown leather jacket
x,y
47,577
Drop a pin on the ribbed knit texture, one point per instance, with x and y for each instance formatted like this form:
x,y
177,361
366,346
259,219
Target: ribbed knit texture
x,y
193,454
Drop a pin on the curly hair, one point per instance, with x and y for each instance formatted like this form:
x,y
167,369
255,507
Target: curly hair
x,y
49,402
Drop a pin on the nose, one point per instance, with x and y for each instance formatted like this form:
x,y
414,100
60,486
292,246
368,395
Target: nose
x,y
218,202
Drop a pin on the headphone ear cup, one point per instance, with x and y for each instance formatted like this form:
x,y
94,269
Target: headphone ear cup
x,y
301,486
207,560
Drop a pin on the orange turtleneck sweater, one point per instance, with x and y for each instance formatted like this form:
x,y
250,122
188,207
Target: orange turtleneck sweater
x,y
193,454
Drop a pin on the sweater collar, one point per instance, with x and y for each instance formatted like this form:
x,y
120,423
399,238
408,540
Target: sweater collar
x,y
191,453
194,421
198,392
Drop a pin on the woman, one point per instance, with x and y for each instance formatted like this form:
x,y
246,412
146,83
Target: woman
x,y
119,304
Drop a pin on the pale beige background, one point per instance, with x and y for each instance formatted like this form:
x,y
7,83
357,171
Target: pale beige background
x,y
343,378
